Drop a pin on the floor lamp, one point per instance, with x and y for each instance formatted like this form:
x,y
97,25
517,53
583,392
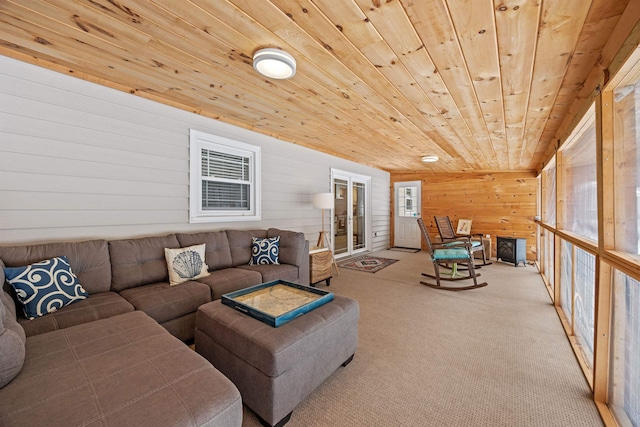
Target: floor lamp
x,y
324,201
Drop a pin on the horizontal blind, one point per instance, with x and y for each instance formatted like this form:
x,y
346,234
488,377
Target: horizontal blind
x,y
225,196
226,166
226,181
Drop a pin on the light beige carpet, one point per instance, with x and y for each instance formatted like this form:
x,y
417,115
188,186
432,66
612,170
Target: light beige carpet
x,y
493,356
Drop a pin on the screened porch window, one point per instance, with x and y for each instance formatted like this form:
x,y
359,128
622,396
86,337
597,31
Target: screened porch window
x,y
579,183
627,171
549,202
224,183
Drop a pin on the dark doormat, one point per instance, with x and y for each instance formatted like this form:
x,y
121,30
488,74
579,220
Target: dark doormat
x,y
367,263
401,249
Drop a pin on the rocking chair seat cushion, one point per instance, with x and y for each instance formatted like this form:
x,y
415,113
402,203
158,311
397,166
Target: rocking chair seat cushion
x,y
450,254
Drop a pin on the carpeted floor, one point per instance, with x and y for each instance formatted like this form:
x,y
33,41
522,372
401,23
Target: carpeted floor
x,y
368,263
494,356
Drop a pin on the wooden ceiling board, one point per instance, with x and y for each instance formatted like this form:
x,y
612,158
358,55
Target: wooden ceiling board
x,y
323,58
398,70
487,85
516,21
395,119
624,39
433,24
560,24
393,82
291,96
418,70
88,56
474,24
603,16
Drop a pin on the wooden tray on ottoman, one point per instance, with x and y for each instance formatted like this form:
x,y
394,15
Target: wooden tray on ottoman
x,y
276,303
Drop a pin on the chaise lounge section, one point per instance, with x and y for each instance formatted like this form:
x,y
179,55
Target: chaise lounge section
x,y
125,370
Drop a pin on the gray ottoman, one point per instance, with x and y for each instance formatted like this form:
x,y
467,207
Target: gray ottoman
x,y
276,368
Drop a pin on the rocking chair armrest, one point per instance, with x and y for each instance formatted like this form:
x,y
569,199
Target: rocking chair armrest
x,y
454,244
439,245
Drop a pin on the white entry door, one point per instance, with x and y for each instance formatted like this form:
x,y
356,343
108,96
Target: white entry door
x,y
408,208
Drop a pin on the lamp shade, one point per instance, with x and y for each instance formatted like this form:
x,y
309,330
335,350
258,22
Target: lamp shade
x,y
274,63
323,201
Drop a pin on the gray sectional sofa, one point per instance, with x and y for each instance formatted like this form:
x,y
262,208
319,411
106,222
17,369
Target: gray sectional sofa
x,y
116,357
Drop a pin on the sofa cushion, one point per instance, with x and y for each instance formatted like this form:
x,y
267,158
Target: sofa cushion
x,y
185,264
88,259
164,302
97,306
12,341
137,262
240,242
271,272
125,370
45,286
217,254
265,251
231,279
292,246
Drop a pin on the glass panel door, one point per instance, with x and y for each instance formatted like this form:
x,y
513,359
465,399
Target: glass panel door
x,y
340,216
350,219
359,226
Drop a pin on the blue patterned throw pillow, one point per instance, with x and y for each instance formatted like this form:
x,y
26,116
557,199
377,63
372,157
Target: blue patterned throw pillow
x,y
265,251
45,286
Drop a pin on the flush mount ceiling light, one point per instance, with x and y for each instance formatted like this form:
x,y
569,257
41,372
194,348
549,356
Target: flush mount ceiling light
x,y
274,63
429,159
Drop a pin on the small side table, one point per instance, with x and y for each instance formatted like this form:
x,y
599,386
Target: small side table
x,y
320,265
486,242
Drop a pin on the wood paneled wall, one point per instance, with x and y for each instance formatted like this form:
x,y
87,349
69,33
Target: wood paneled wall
x,y
499,204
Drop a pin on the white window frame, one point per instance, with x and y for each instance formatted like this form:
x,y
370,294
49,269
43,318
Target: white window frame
x,y
200,140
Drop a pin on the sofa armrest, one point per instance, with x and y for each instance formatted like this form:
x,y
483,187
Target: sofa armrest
x,y
291,246
303,268
294,250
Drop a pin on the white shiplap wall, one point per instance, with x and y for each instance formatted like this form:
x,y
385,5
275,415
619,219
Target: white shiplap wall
x,y
81,161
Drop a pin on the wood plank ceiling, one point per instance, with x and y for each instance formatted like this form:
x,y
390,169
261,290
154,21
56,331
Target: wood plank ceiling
x,y
485,85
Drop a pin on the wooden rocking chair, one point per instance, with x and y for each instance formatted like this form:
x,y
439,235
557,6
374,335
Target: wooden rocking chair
x,y
448,235
443,253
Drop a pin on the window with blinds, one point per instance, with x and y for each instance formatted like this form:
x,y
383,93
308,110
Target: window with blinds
x,y
224,184
226,181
